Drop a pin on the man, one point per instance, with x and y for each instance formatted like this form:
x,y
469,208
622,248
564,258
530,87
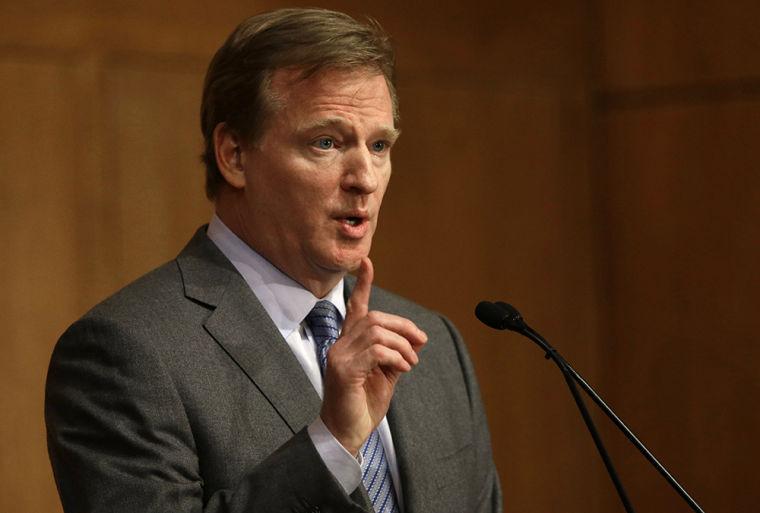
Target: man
x,y
216,383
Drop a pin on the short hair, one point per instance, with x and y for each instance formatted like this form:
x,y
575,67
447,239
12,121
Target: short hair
x,y
236,87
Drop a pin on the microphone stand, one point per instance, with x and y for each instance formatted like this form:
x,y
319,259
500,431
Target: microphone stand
x,y
501,316
530,333
569,375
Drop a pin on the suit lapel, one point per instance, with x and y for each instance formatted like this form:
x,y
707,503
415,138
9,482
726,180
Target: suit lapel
x,y
241,326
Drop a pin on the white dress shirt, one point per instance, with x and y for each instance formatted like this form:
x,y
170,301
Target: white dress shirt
x,y
288,304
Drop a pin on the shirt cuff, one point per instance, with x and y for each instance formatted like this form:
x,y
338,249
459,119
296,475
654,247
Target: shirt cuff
x,y
343,466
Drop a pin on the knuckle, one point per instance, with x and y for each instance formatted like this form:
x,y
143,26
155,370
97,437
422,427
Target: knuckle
x,y
376,351
376,332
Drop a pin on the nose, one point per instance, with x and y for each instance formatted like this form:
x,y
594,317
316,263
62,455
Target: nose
x,y
360,174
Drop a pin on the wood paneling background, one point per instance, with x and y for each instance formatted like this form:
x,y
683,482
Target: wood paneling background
x,y
676,164
591,162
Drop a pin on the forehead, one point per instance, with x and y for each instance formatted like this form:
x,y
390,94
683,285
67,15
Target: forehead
x,y
361,94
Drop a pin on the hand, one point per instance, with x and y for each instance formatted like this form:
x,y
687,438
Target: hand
x,y
364,364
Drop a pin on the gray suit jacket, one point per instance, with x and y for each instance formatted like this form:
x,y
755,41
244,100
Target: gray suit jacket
x,y
178,394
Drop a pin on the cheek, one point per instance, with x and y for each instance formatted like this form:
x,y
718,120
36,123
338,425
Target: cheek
x,y
382,187
307,205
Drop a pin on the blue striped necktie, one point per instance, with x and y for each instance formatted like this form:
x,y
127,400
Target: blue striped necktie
x,y
324,321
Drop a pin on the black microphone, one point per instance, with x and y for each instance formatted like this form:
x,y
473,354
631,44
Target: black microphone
x,y
501,316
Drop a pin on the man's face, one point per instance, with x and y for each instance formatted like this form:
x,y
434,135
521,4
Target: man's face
x,y
316,177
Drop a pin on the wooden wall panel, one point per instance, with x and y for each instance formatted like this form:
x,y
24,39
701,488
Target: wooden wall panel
x,y
676,163
684,200
654,43
39,275
171,28
153,145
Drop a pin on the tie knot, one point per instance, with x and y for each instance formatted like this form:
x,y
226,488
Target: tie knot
x,y
324,321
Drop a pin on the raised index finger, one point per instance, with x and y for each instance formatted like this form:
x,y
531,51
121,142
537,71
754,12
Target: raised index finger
x,y
358,303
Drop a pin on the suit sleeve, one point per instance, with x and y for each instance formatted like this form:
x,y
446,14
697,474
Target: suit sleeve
x,y
119,439
490,498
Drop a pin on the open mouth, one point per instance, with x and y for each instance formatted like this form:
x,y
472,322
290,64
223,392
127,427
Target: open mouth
x,y
354,222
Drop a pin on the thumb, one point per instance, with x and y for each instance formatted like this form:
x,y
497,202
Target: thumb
x,y
358,303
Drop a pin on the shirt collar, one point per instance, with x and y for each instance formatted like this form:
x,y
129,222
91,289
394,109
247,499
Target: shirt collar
x,y
284,299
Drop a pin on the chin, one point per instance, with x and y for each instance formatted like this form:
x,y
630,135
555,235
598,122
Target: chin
x,y
347,265
347,261
354,265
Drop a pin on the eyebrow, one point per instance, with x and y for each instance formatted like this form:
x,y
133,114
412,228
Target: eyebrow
x,y
387,132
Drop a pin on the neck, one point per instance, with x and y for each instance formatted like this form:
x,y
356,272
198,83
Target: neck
x,y
320,288
318,283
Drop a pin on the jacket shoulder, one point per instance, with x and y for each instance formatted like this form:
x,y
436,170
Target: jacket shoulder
x,y
149,295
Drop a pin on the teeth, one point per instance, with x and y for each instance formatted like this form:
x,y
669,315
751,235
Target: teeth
x,y
353,221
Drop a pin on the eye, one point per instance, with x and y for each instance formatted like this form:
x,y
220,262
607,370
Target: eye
x,y
380,146
324,143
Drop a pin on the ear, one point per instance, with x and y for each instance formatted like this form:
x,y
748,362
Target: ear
x,y
228,148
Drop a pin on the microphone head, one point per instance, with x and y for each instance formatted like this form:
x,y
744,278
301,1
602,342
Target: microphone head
x,y
490,315
513,320
499,315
